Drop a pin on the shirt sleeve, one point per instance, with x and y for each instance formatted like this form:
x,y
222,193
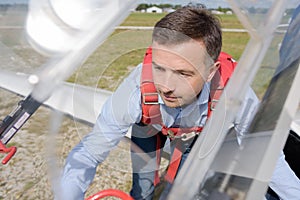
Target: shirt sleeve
x,y
284,181
246,114
119,112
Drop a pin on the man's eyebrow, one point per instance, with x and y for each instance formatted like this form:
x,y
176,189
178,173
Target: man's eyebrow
x,y
154,63
178,70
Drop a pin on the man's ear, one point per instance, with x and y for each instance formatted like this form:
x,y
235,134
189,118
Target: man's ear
x,y
213,69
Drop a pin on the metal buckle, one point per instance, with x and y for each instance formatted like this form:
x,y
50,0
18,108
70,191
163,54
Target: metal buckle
x,y
188,136
184,137
213,104
150,102
171,134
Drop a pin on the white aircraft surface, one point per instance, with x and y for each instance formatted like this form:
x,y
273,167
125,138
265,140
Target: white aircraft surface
x,y
47,84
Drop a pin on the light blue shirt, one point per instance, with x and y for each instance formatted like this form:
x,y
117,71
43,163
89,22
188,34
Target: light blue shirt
x,y
121,111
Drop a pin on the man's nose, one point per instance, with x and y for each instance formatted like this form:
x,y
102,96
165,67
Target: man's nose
x,y
168,82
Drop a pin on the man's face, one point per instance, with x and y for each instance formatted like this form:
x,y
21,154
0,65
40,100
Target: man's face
x,y
179,72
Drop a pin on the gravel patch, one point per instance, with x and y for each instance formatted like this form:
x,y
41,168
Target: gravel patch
x,y
28,174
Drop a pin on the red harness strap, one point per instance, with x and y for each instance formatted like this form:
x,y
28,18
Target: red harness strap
x,y
150,106
177,154
151,110
220,79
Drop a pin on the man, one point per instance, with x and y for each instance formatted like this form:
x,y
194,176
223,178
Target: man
x,y
185,50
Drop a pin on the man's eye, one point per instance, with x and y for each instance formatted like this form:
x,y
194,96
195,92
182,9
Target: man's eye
x,y
184,74
158,68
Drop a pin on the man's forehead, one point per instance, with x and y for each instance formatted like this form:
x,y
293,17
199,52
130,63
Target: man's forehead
x,y
191,45
191,51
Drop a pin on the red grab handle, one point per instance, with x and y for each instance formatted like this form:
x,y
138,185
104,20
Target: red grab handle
x,y
110,193
10,152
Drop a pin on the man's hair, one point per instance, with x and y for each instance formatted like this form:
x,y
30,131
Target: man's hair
x,y
188,23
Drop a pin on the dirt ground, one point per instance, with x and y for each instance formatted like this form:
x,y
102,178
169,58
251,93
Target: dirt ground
x,y
34,170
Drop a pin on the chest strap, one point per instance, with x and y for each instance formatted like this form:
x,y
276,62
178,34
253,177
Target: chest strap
x,y
181,133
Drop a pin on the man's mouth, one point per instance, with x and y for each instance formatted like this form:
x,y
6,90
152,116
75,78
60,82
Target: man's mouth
x,y
170,98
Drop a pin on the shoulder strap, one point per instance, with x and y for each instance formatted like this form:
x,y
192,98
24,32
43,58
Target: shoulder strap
x,y
220,79
150,107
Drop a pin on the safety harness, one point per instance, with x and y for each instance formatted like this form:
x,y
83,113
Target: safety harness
x,y
151,109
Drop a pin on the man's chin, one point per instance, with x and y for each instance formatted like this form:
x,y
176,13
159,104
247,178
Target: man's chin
x,y
178,104
173,104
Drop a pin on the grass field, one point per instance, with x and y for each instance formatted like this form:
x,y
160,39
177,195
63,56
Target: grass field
x,y
142,19
149,19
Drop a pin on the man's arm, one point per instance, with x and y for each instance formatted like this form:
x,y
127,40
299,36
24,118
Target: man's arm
x,y
246,114
78,173
120,111
283,181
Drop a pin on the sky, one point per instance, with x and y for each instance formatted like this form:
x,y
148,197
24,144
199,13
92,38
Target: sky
x,y
12,1
208,3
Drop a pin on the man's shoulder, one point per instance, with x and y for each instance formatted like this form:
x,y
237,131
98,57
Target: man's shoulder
x,y
135,73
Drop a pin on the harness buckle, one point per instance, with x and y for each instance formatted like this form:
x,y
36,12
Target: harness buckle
x,y
188,136
171,134
213,104
150,98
